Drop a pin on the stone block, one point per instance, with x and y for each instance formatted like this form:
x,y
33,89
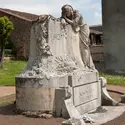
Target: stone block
x,y
35,99
86,91
83,77
51,82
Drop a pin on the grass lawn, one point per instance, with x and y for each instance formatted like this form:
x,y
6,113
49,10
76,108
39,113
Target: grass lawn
x,y
10,70
114,79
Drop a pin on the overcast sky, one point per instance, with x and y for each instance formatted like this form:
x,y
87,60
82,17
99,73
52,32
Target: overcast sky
x,y
90,9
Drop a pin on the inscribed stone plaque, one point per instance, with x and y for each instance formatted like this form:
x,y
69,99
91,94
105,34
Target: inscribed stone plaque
x,y
85,93
64,41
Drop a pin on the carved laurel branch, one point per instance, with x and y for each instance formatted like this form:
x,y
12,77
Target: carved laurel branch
x,y
65,64
42,35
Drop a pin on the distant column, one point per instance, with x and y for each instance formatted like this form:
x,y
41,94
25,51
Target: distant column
x,y
113,13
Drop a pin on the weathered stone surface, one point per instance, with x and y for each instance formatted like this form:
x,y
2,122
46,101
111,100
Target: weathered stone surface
x,y
76,117
55,72
83,77
35,99
60,109
57,79
73,112
86,91
53,51
86,96
64,42
51,82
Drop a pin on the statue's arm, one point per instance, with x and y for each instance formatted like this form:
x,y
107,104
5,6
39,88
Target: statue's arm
x,y
68,20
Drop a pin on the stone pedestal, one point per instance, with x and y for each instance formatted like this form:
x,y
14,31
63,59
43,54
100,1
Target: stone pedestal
x,y
48,95
56,80
55,72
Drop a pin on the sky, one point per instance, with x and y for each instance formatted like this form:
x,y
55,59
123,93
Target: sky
x,y
90,9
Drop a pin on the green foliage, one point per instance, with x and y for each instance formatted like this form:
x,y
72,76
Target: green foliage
x,y
6,102
8,52
9,45
12,68
6,26
114,79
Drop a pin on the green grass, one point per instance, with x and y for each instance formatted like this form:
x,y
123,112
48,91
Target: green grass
x,y
5,103
114,79
10,70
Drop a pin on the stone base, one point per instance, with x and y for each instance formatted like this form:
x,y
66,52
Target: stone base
x,y
111,113
41,95
44,100
98,118
48,95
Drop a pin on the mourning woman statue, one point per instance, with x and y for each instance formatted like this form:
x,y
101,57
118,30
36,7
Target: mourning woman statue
x,y
73,17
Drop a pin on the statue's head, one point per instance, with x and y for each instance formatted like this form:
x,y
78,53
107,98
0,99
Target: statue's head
x,y
67,10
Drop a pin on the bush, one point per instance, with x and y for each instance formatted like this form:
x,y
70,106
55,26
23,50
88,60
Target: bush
x,y
9,45
8,52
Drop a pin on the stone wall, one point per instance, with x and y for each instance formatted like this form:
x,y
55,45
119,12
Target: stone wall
x,y
97,52
114,35
20,36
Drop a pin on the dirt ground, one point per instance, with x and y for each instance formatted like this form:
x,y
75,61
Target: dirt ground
x,y
118,121
9,117
6,90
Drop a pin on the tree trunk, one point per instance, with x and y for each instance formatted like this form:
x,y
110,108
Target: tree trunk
x,y
2,54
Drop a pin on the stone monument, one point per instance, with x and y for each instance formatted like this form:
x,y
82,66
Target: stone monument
x,y
59,79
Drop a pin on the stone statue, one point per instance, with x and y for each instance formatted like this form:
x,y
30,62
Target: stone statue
x,y
73,17
60,80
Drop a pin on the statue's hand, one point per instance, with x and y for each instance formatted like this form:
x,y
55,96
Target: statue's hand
x,y
63,22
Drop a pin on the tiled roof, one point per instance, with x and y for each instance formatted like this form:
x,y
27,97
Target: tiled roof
x,y
23,14
15,15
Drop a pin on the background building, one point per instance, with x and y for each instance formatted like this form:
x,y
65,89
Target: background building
x,y
20,37
113,12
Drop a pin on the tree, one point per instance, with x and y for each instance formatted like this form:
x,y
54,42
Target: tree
x,y
6,27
